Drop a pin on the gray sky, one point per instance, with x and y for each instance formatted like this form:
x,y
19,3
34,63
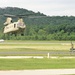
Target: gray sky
x,y
48,7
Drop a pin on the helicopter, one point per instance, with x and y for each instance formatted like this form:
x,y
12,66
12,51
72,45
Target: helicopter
x,y
18,27
14,27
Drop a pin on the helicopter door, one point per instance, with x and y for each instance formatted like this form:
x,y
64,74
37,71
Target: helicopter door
x,y
14,25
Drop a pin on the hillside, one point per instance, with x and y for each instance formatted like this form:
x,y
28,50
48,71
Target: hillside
x,y
45,28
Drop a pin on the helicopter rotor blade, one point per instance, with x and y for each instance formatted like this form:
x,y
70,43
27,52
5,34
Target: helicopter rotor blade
x,y
8,15
37,16
20,15
25,16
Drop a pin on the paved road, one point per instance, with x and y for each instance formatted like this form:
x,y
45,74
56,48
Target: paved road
x,y
38,52
40,72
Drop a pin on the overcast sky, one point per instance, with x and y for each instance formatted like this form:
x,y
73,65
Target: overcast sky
x,y
48,7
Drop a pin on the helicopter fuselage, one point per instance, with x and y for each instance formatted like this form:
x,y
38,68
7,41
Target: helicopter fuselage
x,y
14,27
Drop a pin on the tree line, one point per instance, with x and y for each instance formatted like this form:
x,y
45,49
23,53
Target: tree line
x,y
44,28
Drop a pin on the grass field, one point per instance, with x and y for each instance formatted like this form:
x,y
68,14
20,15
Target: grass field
x,y
42,45
9,47
38,45
33,46
22,64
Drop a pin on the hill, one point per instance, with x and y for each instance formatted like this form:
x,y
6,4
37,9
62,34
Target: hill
x,y
45,28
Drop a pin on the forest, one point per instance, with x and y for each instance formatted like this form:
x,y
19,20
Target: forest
x,y
42,28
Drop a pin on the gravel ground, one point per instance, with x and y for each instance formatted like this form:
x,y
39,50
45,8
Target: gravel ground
x,y
39,72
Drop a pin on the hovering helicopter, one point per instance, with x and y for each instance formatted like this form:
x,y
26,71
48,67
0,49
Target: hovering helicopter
x,y
17,27
14,27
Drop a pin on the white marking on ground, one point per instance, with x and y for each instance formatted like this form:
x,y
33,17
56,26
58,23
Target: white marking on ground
x,y
64,57
38,57
18,57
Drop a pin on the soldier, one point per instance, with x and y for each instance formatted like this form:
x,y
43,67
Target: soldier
x,y
72,47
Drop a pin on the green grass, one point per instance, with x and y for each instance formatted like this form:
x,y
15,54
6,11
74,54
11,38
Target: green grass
x,y
22,64
34,46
